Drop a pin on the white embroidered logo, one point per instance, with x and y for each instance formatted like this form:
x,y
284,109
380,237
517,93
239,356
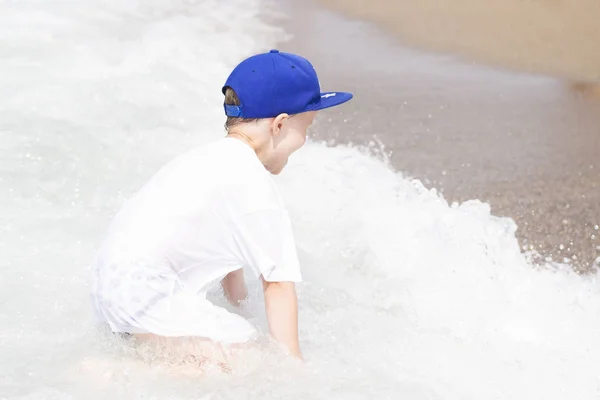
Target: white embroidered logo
x,y
328,95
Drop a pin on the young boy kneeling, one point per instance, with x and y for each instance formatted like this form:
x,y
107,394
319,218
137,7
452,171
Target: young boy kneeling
x,y
212,212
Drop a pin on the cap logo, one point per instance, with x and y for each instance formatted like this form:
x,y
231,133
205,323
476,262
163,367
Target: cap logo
x,y
325,96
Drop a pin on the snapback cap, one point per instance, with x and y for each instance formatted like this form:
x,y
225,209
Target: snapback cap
x,y
272,83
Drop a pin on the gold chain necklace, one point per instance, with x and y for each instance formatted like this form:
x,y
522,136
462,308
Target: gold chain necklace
x,y
242,135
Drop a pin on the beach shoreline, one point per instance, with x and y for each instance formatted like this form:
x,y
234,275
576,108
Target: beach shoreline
x,y
525,143
561,39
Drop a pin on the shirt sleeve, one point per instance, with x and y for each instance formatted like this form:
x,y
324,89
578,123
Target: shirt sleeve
x,y
265,242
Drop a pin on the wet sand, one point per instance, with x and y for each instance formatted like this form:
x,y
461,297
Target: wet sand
x,y
527,144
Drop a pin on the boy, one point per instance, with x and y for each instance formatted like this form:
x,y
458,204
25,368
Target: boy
x,y
212,212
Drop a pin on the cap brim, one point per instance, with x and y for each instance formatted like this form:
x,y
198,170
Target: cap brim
x,y
331,99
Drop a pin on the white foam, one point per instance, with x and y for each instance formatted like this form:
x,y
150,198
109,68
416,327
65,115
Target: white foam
x,y
405,296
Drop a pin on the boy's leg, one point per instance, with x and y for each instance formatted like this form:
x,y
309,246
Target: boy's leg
x,y
185,350
234,287
188,326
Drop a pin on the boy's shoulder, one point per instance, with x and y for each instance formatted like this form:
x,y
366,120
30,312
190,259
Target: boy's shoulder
x,y
228,150
216,157
229,164
243,180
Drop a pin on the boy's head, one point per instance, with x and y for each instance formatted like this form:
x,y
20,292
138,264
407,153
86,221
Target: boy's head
x,y
271,99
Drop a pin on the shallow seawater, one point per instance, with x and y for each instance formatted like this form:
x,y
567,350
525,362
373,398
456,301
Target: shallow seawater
x,y
405,295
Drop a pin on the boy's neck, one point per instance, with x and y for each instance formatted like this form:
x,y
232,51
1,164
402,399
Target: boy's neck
x,y
244,138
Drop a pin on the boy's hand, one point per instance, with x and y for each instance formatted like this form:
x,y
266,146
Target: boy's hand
x,y
281,305
234,287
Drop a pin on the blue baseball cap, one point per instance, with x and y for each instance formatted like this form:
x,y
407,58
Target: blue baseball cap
x,y
269,84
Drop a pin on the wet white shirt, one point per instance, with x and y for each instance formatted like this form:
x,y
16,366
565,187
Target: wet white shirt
x,y
210,211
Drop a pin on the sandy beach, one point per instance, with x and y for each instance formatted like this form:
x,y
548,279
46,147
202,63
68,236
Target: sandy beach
x,y
557,37
527,143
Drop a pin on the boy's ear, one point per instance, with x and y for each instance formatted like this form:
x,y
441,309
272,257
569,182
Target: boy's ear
x,y
278,122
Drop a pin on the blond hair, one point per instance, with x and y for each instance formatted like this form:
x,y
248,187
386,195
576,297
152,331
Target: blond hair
x,y
232,99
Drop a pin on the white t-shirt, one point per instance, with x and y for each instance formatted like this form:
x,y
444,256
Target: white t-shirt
x,y
210,211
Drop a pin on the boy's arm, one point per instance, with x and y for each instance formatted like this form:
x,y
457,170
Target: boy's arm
x,y
281,304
